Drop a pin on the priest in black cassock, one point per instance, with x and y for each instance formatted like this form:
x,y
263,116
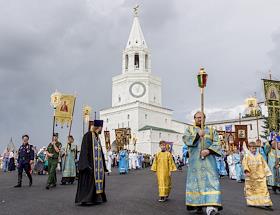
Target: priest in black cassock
x,y
92,168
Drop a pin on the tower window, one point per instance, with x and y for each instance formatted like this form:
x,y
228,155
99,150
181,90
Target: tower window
x,y
146,116
136,61
107,120
120,99
128,116
146,61
126,61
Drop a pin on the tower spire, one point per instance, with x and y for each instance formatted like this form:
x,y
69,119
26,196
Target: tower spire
x,y
136,37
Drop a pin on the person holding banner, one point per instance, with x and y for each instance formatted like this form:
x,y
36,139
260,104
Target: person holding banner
x,y
69,154
52,152
92,168
203,186
273,163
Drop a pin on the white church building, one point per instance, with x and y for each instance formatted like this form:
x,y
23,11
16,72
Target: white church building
x,y
137,100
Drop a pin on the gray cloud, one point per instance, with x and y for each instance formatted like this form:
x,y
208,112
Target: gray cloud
x,y
76,46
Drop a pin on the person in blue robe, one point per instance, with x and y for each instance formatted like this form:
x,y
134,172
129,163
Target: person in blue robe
x,y
274,163
236,157
221,166
185,154
203,185
69,156
123,162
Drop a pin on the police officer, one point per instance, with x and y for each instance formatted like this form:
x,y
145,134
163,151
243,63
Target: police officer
x,y
53,154
25,160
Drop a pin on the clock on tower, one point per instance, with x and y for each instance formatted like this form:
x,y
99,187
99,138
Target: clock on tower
x,y
137,89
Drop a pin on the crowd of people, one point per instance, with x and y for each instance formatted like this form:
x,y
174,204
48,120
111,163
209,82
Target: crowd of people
x,y
206,155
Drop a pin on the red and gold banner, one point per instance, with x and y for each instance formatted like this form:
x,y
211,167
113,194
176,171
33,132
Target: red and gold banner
x,y
64,111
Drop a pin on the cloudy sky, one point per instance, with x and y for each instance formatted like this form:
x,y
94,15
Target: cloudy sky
x,y
76,46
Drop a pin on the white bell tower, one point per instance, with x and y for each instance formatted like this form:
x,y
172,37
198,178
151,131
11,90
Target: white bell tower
x,y
136,83
136,56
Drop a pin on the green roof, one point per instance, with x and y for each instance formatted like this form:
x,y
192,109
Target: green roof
x,y
148,127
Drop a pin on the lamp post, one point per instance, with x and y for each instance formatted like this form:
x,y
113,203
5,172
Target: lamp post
x,y
55,102
202,81
86,116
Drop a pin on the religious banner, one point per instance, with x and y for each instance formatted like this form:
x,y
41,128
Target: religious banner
x,y
272,96
120,136
128,135
241,135
64,111
107,140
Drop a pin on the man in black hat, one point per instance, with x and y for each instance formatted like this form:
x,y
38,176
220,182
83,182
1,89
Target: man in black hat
x,y
92,168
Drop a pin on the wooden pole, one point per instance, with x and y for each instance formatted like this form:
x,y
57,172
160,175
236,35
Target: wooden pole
x,y
53,127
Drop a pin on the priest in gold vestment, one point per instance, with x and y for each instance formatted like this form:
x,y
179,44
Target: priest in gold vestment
x,y
256,171
163,165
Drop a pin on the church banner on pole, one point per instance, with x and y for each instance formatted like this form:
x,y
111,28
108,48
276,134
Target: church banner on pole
x,y
272,97
64,112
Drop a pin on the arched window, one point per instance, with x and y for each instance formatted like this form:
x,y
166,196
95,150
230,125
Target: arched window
x,y
146,61
126,61
136,61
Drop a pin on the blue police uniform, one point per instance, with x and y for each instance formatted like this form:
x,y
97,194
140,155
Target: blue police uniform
x,y
25,155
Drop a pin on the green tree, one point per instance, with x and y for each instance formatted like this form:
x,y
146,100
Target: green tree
x,y
265,133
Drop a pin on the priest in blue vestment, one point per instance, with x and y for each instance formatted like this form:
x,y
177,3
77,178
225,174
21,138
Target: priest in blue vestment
x,y
202,187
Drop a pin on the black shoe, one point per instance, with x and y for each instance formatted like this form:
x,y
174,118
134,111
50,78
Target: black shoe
x,y
48,187
199,210
269,208
18,185
30,183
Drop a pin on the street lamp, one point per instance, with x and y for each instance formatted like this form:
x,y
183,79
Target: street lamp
x,y
55,102
202,81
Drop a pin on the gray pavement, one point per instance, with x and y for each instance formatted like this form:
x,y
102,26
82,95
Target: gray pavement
x,y
132,194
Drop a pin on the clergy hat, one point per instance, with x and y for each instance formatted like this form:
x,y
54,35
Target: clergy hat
x,y
98,123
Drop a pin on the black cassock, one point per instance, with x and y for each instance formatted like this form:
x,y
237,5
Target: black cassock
x,y
86,191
